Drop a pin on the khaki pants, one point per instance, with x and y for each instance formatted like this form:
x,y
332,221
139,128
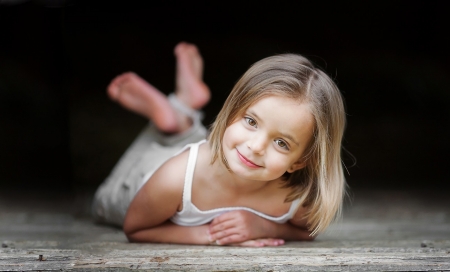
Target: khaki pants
x,y
145,155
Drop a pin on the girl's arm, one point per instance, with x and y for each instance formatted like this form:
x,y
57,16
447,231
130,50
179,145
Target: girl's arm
x,y
147,218
246,228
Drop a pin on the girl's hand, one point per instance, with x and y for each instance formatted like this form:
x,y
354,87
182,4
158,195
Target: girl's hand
x,y
242,228
261,243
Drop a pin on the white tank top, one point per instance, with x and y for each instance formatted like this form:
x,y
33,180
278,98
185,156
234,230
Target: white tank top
x,y
192,216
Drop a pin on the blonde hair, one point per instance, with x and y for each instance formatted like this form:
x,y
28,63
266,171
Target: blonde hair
x,y
320,185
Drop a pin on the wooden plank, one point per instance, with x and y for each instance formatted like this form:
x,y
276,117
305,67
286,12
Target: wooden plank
x,y
381,231
291,257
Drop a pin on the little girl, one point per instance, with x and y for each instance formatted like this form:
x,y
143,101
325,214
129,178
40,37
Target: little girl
x,y
270,169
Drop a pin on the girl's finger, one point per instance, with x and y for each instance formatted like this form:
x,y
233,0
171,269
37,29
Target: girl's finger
x,y
222,218
271,242
231,239
260,243
250,243
222,234
213,229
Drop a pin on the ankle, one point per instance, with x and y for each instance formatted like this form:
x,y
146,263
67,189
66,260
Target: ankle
x,y
184,122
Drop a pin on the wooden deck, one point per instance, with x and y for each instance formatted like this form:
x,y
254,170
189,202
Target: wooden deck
x,y
381,231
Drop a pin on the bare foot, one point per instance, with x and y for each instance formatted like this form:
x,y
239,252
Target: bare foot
x,y
190,88
137,95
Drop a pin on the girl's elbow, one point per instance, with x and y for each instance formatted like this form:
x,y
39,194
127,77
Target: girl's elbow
x,y
129,230
132,238
131,235
309,236
128,233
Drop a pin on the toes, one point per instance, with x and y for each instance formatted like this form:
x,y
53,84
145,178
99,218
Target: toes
x,y
113,90
114,87
184,47
181,46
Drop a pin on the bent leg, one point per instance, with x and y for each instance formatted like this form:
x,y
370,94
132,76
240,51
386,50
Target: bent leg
x,y
190,88
176,114
137,95
145,155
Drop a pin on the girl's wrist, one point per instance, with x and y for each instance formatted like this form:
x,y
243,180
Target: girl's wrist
x,y
203,235
272,229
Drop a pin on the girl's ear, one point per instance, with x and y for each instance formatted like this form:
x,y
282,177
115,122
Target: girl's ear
x,y
297,166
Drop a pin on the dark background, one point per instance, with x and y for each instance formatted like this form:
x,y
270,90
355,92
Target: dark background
x,y
59,132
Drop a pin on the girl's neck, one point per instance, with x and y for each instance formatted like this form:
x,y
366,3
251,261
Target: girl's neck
x,y
216,187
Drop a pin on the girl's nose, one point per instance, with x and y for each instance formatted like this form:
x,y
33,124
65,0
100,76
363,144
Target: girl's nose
x,y
257,144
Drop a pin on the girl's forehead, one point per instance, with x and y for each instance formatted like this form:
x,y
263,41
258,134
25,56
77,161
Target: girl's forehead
x,y
282,113
275,101
272,102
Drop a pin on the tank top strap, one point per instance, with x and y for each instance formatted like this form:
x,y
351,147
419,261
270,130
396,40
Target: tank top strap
x,y
294,207
189,176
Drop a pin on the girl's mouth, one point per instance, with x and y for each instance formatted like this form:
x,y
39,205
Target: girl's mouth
x,y
246,161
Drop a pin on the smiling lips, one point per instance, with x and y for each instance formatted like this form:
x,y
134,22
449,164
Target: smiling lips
x,y
246,161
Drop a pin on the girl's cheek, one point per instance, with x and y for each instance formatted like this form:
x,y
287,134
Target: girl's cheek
x,y
233,133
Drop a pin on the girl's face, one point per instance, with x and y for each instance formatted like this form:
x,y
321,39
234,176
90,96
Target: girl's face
x,y
269,139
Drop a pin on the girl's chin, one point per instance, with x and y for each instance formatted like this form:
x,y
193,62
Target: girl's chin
x,y
244,172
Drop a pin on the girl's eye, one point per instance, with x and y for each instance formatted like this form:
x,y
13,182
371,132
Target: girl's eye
x,y
250,121
281,143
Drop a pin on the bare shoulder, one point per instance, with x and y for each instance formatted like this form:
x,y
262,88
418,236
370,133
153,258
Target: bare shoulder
x,y
170,175
160,197
203,167
164,189
204,156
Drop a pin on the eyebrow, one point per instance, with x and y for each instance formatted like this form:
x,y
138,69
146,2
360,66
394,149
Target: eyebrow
x,y
282,134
